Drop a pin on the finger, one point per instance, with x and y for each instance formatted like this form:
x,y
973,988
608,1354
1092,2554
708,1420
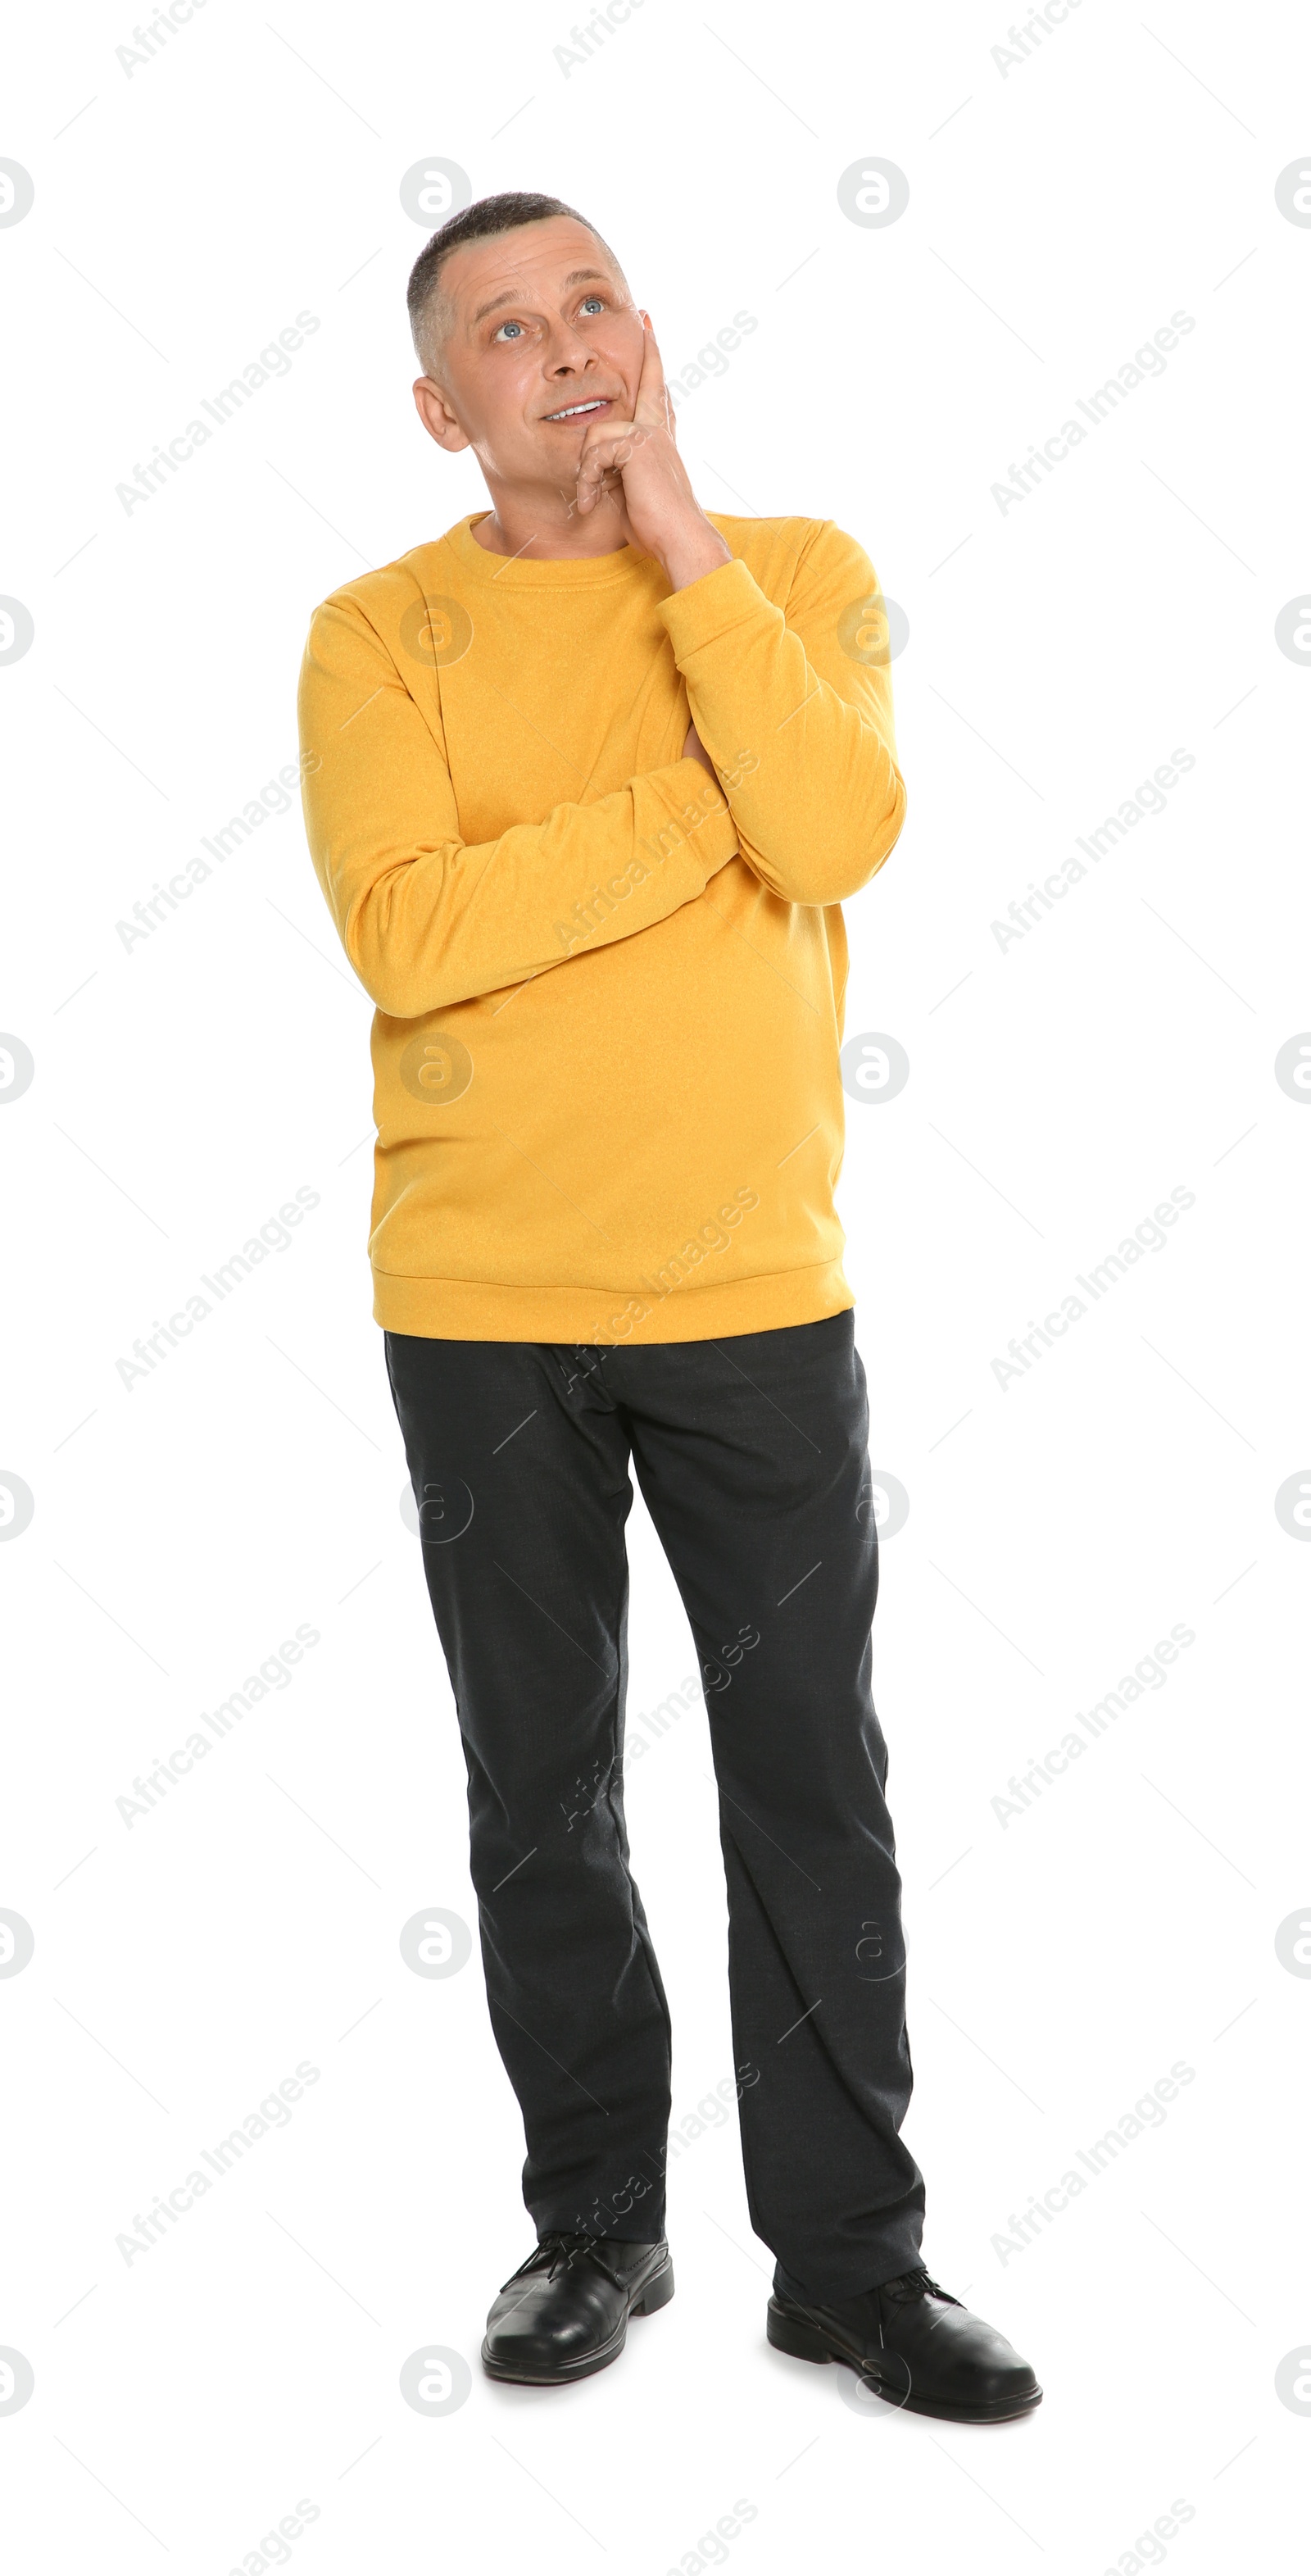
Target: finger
x,y
605,452
610,488
603,475
653,404
611,442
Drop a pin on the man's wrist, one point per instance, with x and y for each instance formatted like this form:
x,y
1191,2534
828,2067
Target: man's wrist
x,y
691,556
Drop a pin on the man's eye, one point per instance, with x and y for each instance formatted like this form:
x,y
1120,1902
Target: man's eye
x,y
513,327
594,302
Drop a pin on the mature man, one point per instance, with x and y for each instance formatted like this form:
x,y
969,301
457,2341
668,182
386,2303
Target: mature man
x,y
587,782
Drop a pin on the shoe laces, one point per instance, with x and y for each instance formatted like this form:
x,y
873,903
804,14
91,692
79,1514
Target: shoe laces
x,y
918,2284
562,2248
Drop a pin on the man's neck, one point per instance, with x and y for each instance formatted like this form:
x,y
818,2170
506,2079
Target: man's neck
x,y
539,526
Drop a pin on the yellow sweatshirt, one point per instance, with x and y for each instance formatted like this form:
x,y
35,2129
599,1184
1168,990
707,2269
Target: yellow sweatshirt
x,y
609,997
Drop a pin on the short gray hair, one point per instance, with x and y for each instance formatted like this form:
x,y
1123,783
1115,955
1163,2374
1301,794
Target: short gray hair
x,y
430,311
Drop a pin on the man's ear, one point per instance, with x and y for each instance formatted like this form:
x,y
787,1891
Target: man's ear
x,y
437,416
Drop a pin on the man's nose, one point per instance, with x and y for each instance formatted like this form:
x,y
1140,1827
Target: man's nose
x,y
567,350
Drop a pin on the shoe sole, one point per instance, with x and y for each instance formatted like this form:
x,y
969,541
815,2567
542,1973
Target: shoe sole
x,y
657,2294
805,2341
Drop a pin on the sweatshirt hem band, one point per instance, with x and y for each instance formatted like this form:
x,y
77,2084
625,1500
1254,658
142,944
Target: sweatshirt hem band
x,y
463,1310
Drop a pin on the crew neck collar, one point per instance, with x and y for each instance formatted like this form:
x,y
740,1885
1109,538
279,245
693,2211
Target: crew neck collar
x,y
521,572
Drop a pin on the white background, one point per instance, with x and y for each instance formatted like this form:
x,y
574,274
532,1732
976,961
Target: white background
x,y
1060,210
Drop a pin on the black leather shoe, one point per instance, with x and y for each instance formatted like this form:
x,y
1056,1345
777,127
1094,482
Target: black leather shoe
x,y
910,2342
565,2311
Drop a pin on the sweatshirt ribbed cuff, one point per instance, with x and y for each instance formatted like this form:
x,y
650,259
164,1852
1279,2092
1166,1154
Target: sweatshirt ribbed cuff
x,y
727,597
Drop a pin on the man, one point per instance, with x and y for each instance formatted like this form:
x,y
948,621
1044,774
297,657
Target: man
x,y
587,783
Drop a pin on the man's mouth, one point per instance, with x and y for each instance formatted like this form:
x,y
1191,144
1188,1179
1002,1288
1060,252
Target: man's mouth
x,y
582,410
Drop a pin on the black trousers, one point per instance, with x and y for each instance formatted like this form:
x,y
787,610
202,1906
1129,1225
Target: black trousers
x,y
751,1455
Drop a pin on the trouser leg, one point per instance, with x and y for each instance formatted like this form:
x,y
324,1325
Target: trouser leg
x,y
751,1454
519,1463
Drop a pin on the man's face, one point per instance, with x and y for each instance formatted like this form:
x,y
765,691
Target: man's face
x,y
540,322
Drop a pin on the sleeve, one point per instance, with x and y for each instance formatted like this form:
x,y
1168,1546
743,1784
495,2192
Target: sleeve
x,y
794,707
428,919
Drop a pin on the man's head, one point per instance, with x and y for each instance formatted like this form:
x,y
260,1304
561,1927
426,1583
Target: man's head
x,y
520,312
